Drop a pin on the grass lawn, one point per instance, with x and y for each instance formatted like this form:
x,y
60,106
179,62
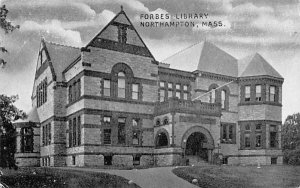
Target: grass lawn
x,y
242,176
51,177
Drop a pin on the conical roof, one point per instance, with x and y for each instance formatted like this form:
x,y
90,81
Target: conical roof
x,y
206,57
256,65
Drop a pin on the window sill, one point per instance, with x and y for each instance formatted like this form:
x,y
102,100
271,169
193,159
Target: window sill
x,y
227,142
245,103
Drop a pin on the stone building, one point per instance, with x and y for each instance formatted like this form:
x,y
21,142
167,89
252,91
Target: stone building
x,y
111,103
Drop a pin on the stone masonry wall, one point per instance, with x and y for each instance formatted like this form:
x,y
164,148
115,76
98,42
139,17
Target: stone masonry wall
x,y
260,112
122,160
141,66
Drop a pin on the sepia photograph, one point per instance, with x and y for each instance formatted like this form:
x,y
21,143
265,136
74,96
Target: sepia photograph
x,y
150,93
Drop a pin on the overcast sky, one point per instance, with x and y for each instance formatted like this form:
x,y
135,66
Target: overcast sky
x,y
270,27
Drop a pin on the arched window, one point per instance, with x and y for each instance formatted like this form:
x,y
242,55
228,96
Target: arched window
x,y
223,99
157,123
213,95
27,140
162,140
212,98
121,85
165,121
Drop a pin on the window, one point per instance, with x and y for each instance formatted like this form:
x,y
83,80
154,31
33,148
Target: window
x,y
185,88
78,131
121,85
224,134
106,88
272,93
106,120
258,127
258,92
135,91
165,121
273,136
177,86
161,95
107,131
177,94
223,99
27,140
136,160
135,132
273,160
49,134
121,131
170,90
135,137
70,133
75,131
43,135
247,93
157,123
122,35
227,131
107,136
258,140
185,96
107,160
161,84
135,123
185,92
247,127
170,93
225,160
75,90
46,134
41,93
247,140
230,132
161,140
212,98
70,94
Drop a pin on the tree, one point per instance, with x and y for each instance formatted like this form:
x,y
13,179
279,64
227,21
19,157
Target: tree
x,y
8,27
291,139
8,113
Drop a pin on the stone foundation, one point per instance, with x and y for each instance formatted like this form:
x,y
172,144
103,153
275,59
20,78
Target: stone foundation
x,y
122,160
27,159
168,156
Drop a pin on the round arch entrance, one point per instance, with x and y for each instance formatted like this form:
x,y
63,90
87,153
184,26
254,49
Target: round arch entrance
x,y
195,146
198,144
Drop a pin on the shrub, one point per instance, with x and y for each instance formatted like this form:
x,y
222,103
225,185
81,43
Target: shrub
x,y
291,157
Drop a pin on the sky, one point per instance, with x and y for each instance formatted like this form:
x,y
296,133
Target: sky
x,y
269,27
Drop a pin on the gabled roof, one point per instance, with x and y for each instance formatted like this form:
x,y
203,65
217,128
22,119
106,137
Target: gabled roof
x,y
206,57
107,38
32,116
61,56
256,65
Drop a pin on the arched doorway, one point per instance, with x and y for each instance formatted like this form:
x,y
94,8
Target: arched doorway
x,y
195,146
162,138
198,144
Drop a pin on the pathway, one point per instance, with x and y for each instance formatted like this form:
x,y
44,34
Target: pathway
x,y
160,177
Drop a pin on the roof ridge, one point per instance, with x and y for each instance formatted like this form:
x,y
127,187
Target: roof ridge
x,y
58,44
180,51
